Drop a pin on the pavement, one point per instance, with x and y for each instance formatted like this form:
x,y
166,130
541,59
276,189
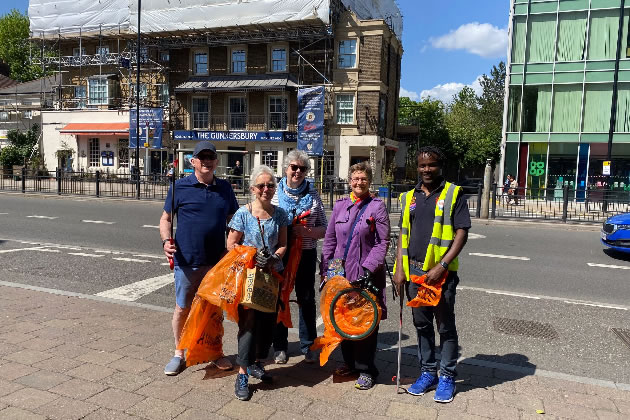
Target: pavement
x,y
69,355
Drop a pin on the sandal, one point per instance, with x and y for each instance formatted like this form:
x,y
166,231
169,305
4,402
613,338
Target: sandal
x,y
364,382
344,370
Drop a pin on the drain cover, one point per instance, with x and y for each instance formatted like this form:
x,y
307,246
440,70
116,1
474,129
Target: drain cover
x,y
525,328
624,335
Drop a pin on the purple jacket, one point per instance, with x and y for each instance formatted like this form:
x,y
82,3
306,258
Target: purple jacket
x,y
367,248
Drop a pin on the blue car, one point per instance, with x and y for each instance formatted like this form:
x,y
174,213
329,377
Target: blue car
x,y
616,232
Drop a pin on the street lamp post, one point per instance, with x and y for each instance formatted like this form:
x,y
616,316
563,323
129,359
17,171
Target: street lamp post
x,y
138,107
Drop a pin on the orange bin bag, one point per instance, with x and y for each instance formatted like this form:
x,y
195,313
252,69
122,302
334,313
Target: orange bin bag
x,y
203,333
353,314
427,295
222,286
288,282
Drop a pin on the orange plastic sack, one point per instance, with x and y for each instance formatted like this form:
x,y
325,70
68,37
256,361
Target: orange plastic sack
x,y
427,295
223,284
203,333
353,314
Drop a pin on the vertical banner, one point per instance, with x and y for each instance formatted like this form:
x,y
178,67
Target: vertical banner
x,y
311,120
151,120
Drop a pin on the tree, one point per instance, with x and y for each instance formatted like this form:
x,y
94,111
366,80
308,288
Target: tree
x,y
14,47
20,146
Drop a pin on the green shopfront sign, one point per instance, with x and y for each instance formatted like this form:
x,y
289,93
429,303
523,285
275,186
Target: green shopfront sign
x,y
536,168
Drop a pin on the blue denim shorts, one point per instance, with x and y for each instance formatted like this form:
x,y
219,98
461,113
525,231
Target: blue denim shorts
x,y
187,281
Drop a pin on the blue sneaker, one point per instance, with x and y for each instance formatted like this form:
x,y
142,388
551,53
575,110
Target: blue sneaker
x,y
445,390
175,366
241,388
425,383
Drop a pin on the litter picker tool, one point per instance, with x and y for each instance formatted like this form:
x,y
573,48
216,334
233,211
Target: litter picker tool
x,y
171,261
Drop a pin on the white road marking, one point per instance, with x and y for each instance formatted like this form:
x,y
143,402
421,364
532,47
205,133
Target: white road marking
x,y
4,213
44,250
507,257
597,305
620,267
476,236
512,294
157,257
98,222
6,251
43,217
151,226
83,254
134,291
165,263
130,260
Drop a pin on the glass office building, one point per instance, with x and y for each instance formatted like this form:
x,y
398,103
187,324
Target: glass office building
x,y
561,83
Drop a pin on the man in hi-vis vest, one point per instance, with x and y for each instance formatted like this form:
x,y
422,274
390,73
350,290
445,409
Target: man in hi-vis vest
x,y
433,230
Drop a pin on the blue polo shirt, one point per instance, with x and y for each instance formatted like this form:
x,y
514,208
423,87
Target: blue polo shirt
x,y
201,212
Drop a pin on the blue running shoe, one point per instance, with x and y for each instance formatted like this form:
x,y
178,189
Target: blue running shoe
x,y
425,383
445,390
241,387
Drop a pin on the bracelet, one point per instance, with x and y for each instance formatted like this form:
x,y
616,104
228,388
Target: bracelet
x,y
444,264
164,241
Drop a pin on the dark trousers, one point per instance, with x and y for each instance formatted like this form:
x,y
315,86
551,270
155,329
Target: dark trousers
x,y
254,335
444,314
360,354
305,293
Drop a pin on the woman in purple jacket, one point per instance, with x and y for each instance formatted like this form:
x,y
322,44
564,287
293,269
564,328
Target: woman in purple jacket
x,y
364,261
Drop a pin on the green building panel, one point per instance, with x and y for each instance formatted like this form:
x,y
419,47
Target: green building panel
x,y
535,137
600,76
624,76
625,64
564,137
544,7
516,79
604,4
520,9
512,137
575,77
516,68
594,137
540,68
538,78
600,65
621,138
567,5
578,66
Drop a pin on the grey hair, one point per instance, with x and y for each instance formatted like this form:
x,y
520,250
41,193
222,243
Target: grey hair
x,y
296,155
261,170
361,167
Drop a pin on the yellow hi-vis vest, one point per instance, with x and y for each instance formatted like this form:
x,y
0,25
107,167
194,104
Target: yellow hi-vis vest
x,y
442,235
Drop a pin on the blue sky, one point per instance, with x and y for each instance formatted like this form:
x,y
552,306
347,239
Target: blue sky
x,y
448,43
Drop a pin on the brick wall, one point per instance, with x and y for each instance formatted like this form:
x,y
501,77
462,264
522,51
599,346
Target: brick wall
x,y
367,118
370,58
217,61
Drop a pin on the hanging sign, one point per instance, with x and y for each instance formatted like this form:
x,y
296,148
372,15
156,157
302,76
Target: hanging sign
x,y
151,120
606,168
311,120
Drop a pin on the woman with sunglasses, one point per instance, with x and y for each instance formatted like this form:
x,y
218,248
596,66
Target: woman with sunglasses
x,y
255,328
296,195
355,244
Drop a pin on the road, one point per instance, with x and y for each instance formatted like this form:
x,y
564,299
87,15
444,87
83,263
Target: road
x,y
535,295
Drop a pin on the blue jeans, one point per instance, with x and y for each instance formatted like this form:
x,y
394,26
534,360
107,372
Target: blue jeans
x,y
187,281
444,314
305,293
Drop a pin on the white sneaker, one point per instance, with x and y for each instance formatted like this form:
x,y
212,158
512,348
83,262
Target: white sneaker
x,y
280,357
222,364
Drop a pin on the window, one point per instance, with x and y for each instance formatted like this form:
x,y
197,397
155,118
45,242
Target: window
x,y
97,89
4,116
518,39
103,50
164,97
279,59
27,115
78,52
571,36
277,113
80,95
165,56
95,152
200,112
567,100
536,108
238,113
144,55
597,100
143,92
541,37
270,158
200,63
329,163
123,153
238,61
603,34
345,109
347,54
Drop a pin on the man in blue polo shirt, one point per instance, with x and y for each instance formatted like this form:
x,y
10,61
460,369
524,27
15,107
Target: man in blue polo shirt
x,y
204,205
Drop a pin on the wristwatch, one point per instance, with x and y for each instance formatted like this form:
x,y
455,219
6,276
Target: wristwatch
x,y
165,241
444,264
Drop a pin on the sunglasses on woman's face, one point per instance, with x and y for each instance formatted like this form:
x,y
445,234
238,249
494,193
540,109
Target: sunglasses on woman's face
x,y
269,186
295,167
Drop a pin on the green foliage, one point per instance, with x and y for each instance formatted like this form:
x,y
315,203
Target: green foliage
x,y
20,146
14,47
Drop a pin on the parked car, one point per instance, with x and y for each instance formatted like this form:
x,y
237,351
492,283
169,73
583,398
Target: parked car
x,y
470,185
616,232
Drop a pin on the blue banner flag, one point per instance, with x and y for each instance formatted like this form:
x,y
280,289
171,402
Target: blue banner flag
x,y
311,120
151,120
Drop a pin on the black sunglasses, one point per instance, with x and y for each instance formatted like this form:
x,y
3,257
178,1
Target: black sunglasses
x,y
295,167
207,156
270,186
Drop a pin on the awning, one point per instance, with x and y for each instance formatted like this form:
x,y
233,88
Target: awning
x,y
238,83
97,129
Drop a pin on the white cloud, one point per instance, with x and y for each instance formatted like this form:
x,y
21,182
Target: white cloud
x,y
446,91
404,93
477,38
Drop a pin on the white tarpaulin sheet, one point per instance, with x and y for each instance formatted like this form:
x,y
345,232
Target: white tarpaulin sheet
x,y
69,17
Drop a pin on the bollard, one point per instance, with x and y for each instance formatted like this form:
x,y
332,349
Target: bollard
x,y
58,181
494,201
23,179
479,191
98,183
389,197
331,193
565,202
